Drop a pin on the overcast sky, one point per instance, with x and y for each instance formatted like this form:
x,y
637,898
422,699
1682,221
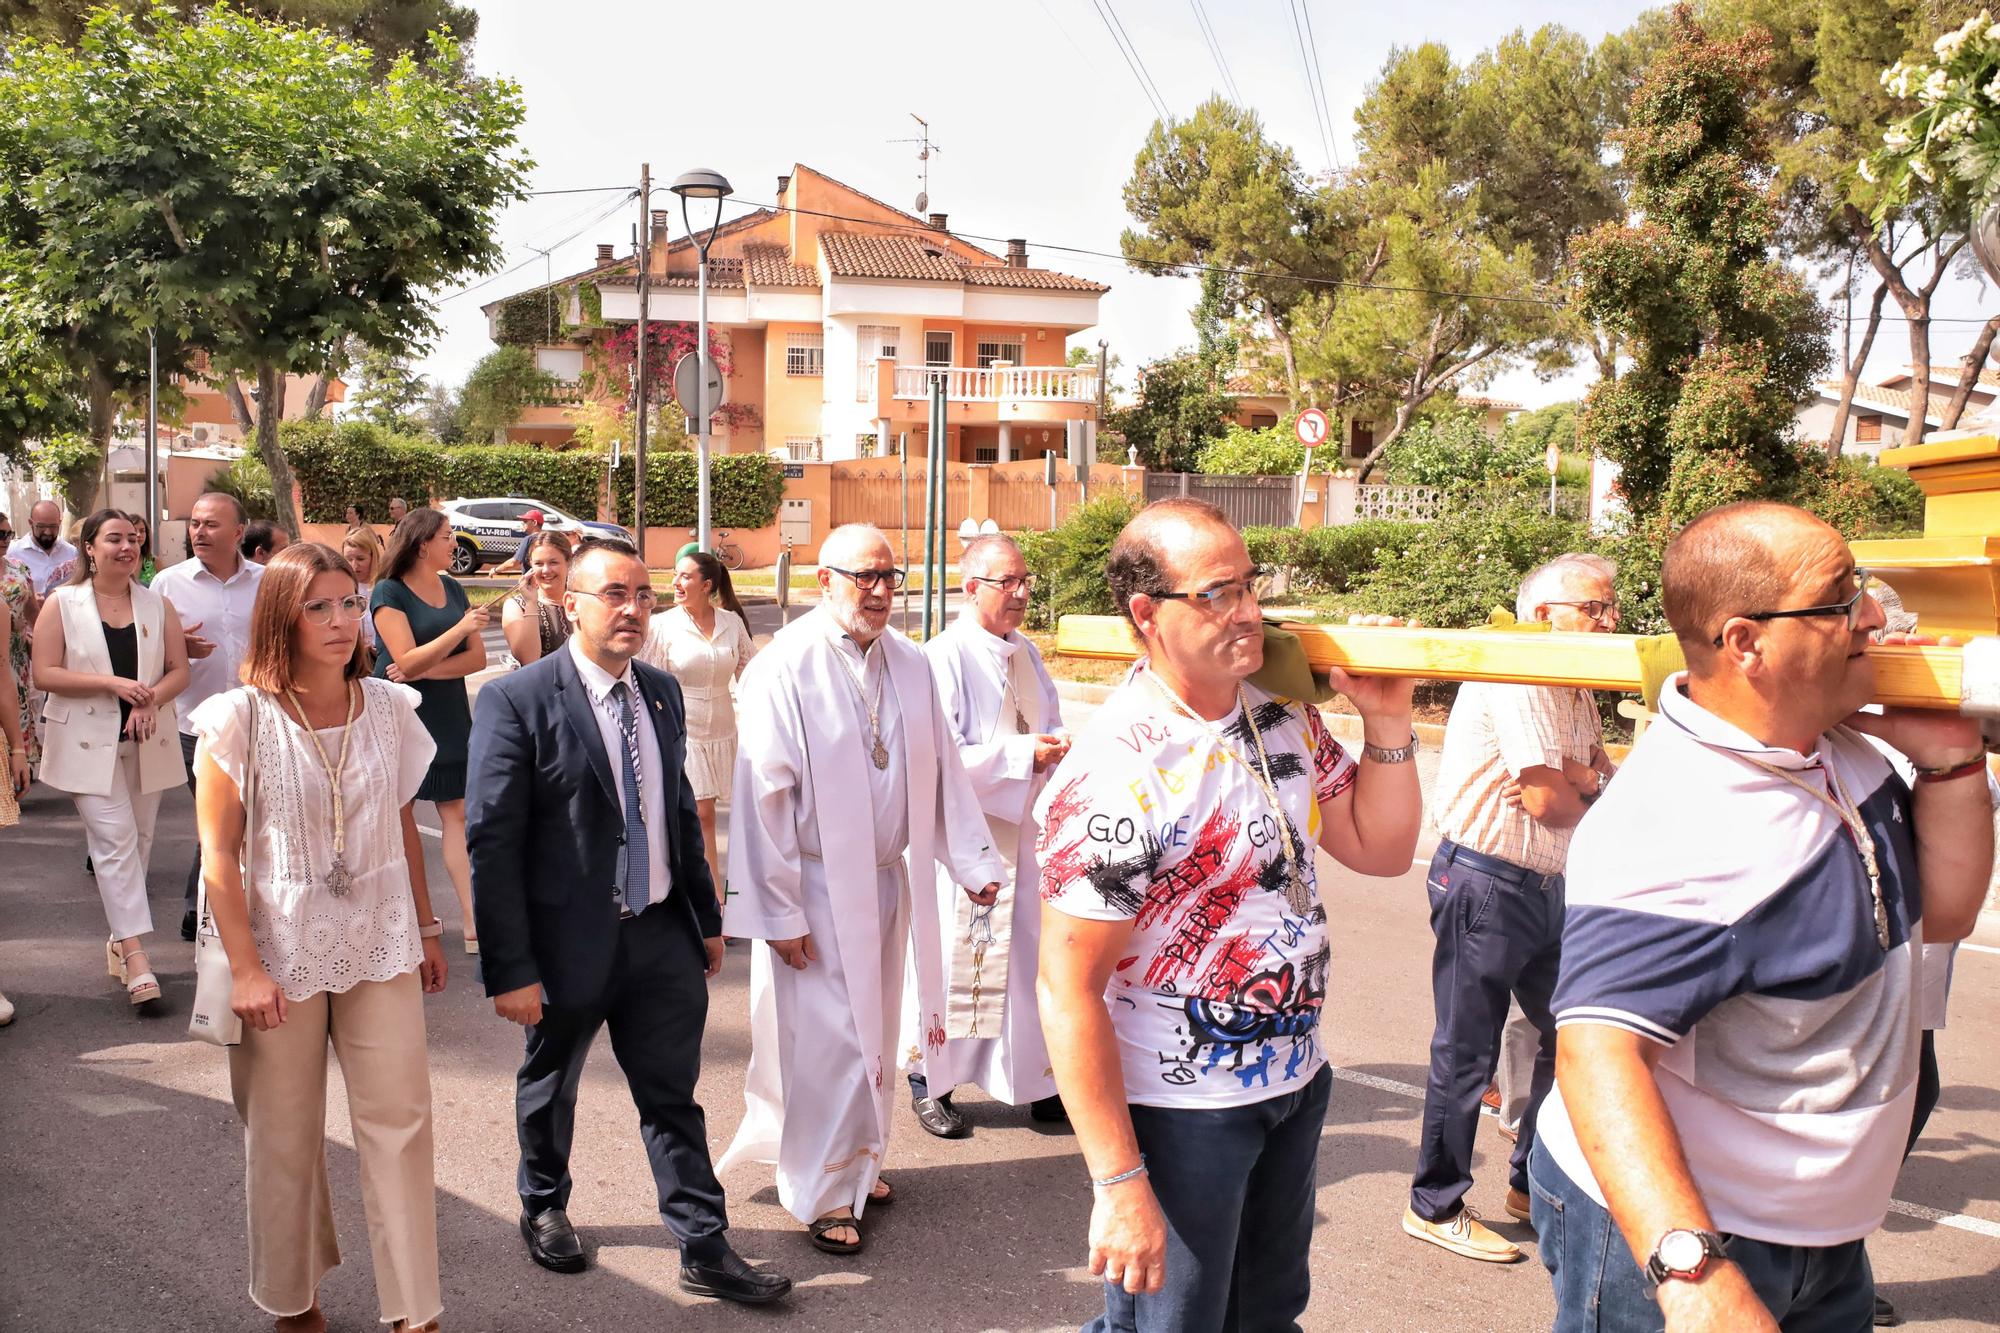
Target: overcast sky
x,y
1035,114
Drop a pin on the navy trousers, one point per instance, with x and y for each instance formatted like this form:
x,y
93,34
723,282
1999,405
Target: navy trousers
x,y
1499,933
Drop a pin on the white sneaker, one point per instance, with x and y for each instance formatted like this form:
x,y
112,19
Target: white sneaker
x,y
6,1011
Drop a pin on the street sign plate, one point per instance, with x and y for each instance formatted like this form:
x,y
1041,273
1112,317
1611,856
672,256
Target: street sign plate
x,y
1312,427
684,386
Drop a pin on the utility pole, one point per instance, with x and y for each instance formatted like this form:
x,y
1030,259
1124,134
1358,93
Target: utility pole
x,y
642,249
153,439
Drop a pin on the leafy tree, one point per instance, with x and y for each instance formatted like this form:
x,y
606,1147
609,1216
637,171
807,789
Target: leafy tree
x,y
388,28
388,392
1538,429
1241,452
505,381
1184,400
437,414
255,188
1725,340
1827,105
1453,449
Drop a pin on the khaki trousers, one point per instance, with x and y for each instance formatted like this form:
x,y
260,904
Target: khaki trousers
x,y
279,1082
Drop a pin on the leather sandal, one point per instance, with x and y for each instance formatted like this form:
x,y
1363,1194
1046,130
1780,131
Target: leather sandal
x,y
885,1198
816,1232
140,987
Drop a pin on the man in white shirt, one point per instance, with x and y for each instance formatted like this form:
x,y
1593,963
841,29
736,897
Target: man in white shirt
x,y
47,557
212,594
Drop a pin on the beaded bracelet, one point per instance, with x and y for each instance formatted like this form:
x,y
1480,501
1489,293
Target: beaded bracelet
x,y
1122,1176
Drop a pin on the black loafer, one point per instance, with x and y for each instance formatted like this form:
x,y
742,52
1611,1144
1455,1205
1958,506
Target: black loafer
x,y
729,1278
552,1241
187,926
938,1116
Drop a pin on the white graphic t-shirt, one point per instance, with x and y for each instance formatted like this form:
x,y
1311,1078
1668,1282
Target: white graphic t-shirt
x,y
1158,818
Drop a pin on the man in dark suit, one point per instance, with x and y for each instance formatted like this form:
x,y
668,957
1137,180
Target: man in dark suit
x,y
595,908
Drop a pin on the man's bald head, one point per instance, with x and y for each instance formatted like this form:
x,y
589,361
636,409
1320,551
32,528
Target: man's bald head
x,y
982,553
45,511
853,544
1734,560
1143,559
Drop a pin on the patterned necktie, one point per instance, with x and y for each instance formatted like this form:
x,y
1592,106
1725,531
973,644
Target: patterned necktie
x,y
638,878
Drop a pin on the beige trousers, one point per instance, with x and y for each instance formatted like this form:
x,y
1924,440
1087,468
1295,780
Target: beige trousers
x,y
279,1081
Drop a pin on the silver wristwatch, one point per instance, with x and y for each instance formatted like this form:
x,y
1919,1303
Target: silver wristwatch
x,y
1401,754
1683,1255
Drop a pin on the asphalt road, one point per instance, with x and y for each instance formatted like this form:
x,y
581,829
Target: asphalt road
x,y
121,1177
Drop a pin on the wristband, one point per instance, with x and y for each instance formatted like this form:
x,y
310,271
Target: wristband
x,y
1951,771
1122,1176
435,930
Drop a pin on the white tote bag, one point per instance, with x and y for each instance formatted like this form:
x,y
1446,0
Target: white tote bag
x,y
213,1020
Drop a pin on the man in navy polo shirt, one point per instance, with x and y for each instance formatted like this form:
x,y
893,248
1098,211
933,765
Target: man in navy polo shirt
x,y
1737,1032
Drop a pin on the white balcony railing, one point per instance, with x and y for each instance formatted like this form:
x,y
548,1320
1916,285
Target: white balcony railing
x,y
969,384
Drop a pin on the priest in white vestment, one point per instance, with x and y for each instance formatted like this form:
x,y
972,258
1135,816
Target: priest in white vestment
x,y
848,785
1005,719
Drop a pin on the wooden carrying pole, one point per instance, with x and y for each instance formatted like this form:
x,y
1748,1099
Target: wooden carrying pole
x,y
1904,676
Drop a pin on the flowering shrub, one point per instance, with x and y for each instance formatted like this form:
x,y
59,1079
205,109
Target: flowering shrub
x,y
1951,142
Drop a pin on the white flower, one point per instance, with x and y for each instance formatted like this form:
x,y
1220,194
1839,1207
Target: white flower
x,y
1866,170
1922,171
1954,126
1897,139
1992,90
1935,87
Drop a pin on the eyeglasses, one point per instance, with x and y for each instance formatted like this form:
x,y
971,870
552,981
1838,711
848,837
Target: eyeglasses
x,y
619,598
868,579
1594,610
1223,599
1008,583
1851,608
322,610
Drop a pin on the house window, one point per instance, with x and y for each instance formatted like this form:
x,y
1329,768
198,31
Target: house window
x,y
1012,351
873,342
565,363
864,445
805,354
1868,430
937,349
986,453
1361,440
802,448
1263,420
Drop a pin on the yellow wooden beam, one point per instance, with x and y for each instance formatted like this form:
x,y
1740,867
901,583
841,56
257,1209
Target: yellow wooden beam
x,y
1912,677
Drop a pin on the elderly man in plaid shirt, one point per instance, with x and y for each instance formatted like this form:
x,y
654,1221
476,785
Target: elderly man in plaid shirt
x,y
1521,764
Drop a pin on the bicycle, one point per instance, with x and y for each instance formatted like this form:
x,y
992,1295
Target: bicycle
x,y
726,551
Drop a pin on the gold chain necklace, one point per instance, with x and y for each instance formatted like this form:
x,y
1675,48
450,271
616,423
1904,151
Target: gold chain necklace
x,y
337,878
878,753
1298,894
1864,841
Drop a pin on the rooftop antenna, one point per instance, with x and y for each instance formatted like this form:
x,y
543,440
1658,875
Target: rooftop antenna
x,y
924,159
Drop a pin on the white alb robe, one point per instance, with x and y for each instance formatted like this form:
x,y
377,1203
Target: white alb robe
x,y
824,844
981,680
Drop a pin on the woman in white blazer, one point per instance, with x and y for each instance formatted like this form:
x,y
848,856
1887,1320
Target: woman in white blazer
x,y
110,657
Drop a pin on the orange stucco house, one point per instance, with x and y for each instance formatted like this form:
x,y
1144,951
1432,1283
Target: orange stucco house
x,y
840,312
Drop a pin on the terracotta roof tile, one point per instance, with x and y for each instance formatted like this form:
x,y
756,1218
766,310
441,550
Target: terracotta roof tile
x,y
1040,279
721,273
771,266
858,255
1877,396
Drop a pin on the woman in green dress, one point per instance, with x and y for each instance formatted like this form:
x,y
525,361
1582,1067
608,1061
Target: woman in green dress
x,y
430,638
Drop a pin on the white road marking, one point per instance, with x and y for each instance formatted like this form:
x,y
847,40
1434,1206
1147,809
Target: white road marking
x,y
430,832
1978,1226
1978,948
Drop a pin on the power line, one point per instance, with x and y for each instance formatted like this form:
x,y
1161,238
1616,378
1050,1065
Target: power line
x,y
586,189
1215,50
603,213
1134,46
1152,95
1319,73
1321,122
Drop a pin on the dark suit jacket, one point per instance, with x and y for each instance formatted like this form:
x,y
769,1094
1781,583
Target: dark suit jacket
x,y
543,826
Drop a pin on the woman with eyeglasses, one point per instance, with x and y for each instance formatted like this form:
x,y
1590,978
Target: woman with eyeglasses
x,y
332,943
431,637
533,618
110,656
704,642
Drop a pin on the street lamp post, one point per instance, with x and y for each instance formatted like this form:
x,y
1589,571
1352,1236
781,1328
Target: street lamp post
x,y
701,183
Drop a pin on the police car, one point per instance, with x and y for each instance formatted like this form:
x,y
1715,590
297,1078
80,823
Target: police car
x,y
489,529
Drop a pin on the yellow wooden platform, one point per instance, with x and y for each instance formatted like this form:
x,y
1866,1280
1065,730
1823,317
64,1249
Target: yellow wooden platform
x,y
1912,677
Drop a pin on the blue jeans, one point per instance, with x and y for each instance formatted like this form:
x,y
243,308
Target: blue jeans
x,y
1499,933
1236,1185
1599,1285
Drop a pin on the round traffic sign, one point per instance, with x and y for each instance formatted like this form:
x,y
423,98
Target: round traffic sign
x,y
1312,427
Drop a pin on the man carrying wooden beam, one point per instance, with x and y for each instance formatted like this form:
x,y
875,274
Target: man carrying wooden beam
x,y
1521,764
1737,1039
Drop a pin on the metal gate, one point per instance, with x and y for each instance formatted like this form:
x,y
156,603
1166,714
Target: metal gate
x,y
1269,502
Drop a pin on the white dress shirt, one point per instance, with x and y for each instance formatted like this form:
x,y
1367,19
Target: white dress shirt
x,y
222,608
597,684
43,566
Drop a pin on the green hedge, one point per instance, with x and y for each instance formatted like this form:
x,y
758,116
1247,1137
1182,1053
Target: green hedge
x,y
344,463
744,490
1068,561
1453,571
1328,559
